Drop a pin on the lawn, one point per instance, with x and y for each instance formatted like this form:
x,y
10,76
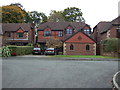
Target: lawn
x,y
83,56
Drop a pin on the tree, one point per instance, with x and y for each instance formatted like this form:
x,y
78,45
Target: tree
x,y
73,14
16,4
54,43
111,45
13,14
36,17
56,16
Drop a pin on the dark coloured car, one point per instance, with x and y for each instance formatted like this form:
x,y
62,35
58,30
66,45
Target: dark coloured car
x,y
36,51
50,51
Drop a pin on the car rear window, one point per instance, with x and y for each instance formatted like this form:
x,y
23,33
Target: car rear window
x,y
50,48
37,49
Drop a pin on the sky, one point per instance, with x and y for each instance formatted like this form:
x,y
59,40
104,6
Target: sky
x,y
93,11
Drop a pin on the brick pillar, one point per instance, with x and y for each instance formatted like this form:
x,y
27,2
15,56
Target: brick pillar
x,y
64,49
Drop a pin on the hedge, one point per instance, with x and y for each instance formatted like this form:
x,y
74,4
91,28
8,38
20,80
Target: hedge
x,y
111,45
20,50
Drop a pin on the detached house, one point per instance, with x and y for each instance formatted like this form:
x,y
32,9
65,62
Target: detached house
x,y
106,30
18,33
74,35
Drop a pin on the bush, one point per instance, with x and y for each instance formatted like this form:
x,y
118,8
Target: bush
x,y
5,51
20,50
111,45
29,44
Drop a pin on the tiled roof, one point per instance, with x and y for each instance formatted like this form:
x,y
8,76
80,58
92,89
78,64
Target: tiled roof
x,y
108,25
15,26
61,25
100,26
82,33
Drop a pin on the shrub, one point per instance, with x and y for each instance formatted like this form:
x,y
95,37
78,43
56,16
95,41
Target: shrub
x,y
111,45
0,51
29,44
5,51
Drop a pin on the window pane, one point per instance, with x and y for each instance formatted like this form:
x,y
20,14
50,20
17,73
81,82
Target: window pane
x,y
69,31
9,34
20,35
87,31
47,33
87,47
60,34
71,47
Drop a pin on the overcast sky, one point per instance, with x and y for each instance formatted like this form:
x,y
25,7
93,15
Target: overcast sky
x,y
94,11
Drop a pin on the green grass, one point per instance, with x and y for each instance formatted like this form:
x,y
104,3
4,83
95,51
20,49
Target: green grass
x,y
83,56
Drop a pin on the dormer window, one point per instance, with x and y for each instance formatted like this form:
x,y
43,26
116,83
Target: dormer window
x,y
69,31
19,35
87,31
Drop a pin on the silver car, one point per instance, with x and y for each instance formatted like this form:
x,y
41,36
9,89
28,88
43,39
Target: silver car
x,y
50,51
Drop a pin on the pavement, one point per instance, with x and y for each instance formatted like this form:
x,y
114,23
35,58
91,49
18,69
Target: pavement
x,y
72,58
37,71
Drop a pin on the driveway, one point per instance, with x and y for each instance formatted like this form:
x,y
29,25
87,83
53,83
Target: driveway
x,y
47,72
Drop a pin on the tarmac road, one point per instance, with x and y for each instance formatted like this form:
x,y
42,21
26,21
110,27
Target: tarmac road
x,y
46,72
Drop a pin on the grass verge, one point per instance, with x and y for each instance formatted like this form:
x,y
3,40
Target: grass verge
x,y
83,56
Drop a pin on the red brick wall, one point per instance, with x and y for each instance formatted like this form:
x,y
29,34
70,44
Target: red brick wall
x,y
80,49
113,32
79,41
31,35
14,36
54,35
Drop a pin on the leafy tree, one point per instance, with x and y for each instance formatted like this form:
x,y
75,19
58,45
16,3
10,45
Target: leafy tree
x,y
54,43
36,17
56,16
17,4
73,14
13,14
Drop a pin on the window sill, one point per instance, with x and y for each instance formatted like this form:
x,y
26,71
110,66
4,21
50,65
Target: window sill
x,y
71,50
88,50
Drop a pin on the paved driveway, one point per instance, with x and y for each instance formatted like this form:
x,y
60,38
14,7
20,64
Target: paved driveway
x,y
46,72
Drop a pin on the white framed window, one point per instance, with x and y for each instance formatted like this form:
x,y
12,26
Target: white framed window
x,y
69,31
87,31
60,33
47,33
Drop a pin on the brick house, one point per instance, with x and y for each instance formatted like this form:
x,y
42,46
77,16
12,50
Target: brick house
x,y
79,44
18,33
105,30
62,31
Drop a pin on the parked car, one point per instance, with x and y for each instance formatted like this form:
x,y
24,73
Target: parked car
x,y
50,51
36,51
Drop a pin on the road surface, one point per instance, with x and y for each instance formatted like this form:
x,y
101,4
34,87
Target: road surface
x,y
47,72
